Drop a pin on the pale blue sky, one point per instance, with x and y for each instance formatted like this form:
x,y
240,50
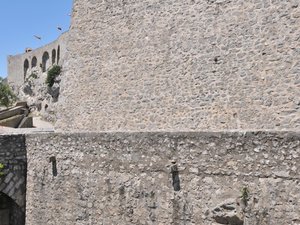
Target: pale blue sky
x,y
21,19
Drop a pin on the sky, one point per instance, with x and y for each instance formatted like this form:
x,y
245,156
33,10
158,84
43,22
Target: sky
x,y
20,20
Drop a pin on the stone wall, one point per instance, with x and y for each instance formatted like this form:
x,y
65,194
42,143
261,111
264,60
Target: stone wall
x,y
13,180
21,66
149,65
164,178
28,73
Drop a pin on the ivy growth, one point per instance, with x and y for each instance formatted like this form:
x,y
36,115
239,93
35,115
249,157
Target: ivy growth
x,y
52,74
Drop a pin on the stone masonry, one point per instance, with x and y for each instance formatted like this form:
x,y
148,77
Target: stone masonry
x,y
13,182
164,178
182,65
151,92
37,61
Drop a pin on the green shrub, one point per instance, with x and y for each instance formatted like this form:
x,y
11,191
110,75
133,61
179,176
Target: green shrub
x,y
2,167
52,74
7,97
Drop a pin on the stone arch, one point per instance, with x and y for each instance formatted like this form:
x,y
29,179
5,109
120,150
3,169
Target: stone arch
x,y
45,61
53,56
33,62
26,67
14,186
58,54
10,212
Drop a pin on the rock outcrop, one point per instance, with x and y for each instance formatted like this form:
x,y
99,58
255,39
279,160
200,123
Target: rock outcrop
x,y
40,98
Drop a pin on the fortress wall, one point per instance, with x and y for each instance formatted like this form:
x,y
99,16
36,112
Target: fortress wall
x,y
13,181
16,64
182,65
163,178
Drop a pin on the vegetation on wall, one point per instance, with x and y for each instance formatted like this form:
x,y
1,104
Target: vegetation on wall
x,y
245,195
7,97
52,74
2,167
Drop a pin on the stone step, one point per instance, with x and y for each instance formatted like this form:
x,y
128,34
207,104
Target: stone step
x,y
13,121
18,110
26,122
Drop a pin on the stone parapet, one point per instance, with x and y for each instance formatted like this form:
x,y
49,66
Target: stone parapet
x,y
164,178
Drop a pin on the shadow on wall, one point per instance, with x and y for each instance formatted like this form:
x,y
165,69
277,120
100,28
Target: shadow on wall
x,y
26,67
10,212
45,60
33,62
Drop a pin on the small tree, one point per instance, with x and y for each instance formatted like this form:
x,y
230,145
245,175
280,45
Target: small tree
x,y
7,97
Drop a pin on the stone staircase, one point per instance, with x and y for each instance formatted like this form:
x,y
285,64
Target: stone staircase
x,y
16,117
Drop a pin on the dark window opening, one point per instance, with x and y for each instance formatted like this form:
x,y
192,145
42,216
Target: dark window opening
x,y
58,54
53,56
33,62
26,67
54,165
45,62
175,177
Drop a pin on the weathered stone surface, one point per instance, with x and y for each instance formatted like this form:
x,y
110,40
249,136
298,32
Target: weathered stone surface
x,y
40,98
13,181
228,213
182,65
127,178
173,65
